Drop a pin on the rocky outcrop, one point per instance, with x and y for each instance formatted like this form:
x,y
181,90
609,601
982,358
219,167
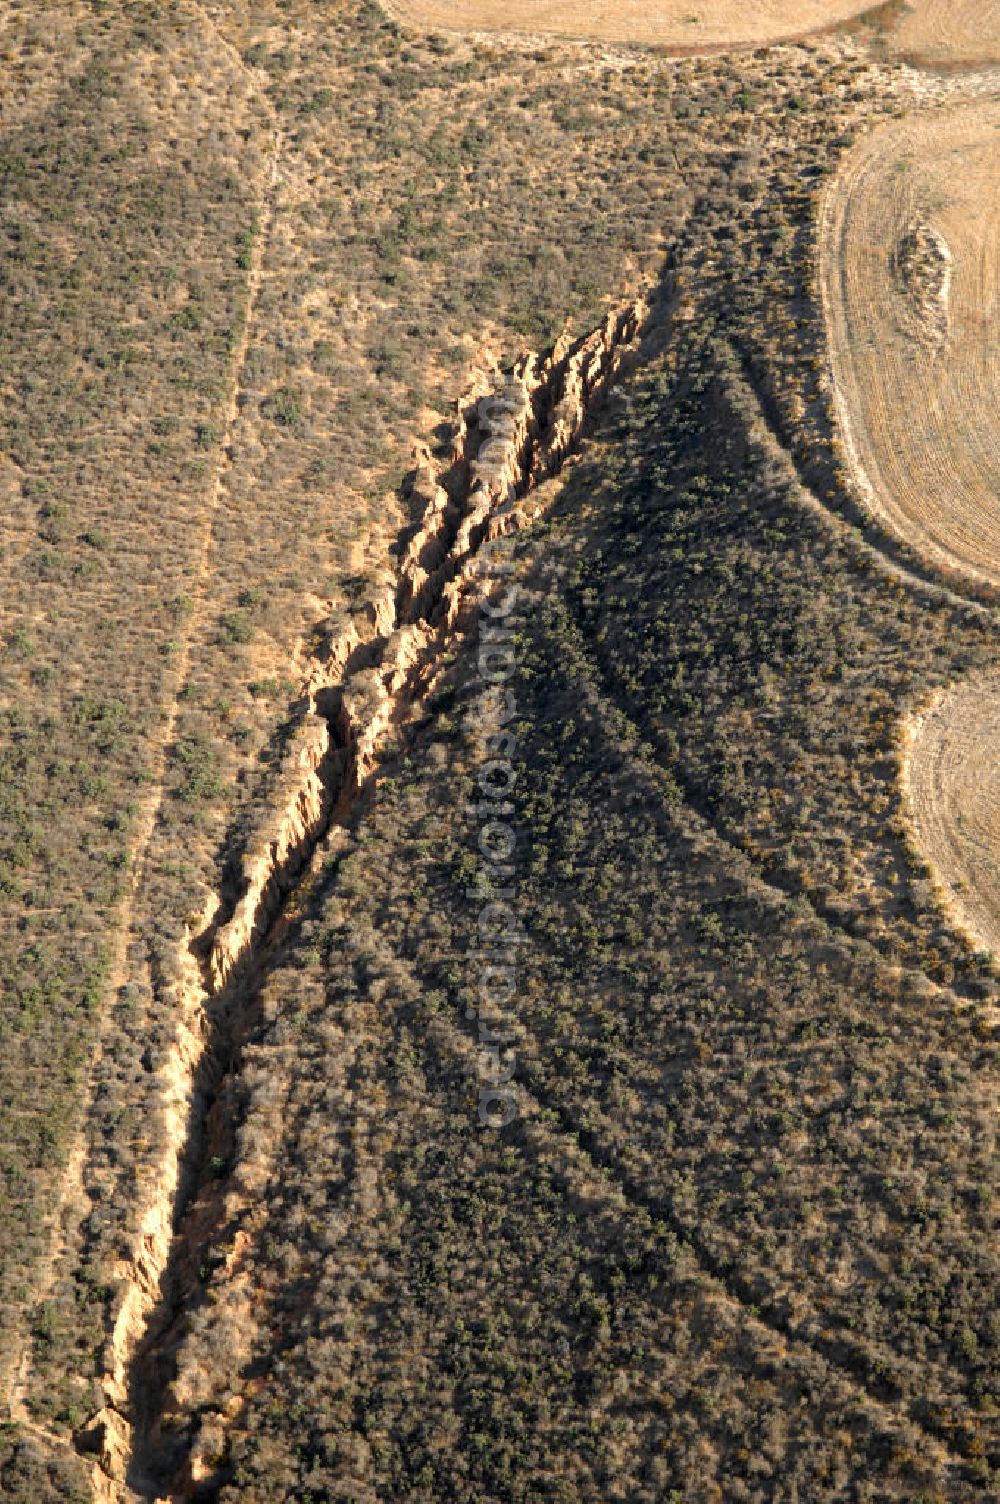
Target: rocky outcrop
x,y
583,379
923,264
312,771
506,441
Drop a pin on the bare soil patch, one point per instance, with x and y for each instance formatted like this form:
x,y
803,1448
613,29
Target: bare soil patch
x,y
910,277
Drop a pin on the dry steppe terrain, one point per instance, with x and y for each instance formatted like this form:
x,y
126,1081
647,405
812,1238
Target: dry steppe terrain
x,y
346,350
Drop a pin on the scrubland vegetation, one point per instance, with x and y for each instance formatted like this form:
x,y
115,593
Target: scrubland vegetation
x,y
754,1158
737,1244
121,301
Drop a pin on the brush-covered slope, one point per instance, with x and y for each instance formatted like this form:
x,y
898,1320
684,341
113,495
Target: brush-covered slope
x,y
738,1233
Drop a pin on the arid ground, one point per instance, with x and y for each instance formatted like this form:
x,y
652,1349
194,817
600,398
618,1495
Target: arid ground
x,y
499,613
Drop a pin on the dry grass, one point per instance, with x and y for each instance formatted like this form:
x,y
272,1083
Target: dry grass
x,y
910,273
953,789
679,24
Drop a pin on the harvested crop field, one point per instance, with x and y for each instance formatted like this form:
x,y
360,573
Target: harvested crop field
x,y
910,276
942,32
679,24
952,777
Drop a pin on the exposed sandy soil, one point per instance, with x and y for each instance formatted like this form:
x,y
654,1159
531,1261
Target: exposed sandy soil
x,y
680,24
952,779
950,32
910,273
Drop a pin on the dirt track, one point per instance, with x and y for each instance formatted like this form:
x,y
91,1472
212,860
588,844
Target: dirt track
x,y
911,282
